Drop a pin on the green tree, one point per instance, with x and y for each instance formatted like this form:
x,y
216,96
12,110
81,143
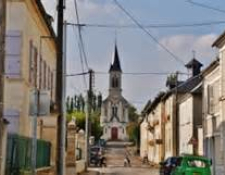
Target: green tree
x,y
75,102
132,113
96,129
99,101
94,104
68,104
79,117
71,105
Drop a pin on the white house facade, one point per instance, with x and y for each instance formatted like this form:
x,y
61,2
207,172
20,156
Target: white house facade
x,y
114,110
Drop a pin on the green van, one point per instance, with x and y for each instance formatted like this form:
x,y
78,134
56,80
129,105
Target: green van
x,y
192,165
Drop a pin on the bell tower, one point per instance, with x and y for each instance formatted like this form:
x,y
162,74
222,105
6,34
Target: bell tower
x,y
115,80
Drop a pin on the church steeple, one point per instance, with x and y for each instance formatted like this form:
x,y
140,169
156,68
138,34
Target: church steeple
x,y
115,71
115,65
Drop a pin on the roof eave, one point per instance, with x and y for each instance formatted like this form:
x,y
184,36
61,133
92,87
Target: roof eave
x,y
219,41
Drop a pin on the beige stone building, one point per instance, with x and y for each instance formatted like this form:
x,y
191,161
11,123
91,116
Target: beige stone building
x,y
212,118
151,131
161,132
220,44
30,62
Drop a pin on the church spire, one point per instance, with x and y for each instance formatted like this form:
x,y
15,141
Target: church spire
x,y
115,65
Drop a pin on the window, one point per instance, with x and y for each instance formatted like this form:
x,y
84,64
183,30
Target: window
x,y
196,163
213,98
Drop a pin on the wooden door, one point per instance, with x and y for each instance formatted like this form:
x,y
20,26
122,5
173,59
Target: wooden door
x,y
114,133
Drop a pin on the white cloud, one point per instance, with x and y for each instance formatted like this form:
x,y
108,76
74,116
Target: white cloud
x,y
87,9
183,45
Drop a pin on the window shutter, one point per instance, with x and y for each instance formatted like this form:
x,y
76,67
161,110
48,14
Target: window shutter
x,y
49,78
52,80
35,67
40,73
30,60
13,54
210,99
45,72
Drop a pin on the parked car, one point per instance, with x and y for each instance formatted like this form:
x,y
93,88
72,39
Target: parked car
x,y
102,142
168,165
192,165
96,153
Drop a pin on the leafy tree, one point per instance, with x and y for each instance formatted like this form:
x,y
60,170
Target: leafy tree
x,y
79,103
94,104
82,104
75,102
71,105
99,101
96,129
68,104
132,113
79,117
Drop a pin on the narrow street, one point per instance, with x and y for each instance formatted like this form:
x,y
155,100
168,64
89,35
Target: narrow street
x,y
115,157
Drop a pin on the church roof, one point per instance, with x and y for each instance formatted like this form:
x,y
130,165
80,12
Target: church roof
x,y
115,66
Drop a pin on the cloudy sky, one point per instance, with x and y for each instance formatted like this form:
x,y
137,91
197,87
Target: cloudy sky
x,y
138,52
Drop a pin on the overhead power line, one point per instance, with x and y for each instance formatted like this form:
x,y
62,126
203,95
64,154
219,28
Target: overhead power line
x,y
129,73
77,74
205,6
148,33
82,52
80,35
178,25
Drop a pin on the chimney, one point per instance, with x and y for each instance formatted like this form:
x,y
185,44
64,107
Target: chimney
x,y
194,67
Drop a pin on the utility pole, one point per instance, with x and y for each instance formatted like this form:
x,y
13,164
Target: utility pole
x,y
88,114
2,72
59,90
177,116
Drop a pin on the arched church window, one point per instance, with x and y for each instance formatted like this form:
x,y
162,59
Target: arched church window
x,y
113,82
106,111
114,111
116,82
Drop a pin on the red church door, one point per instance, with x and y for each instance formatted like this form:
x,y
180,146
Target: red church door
x,y
114,133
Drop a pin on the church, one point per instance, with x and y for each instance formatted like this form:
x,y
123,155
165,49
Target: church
x,y
114,110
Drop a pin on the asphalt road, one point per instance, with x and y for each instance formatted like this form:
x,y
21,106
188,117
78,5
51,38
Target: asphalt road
x,y
115,162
